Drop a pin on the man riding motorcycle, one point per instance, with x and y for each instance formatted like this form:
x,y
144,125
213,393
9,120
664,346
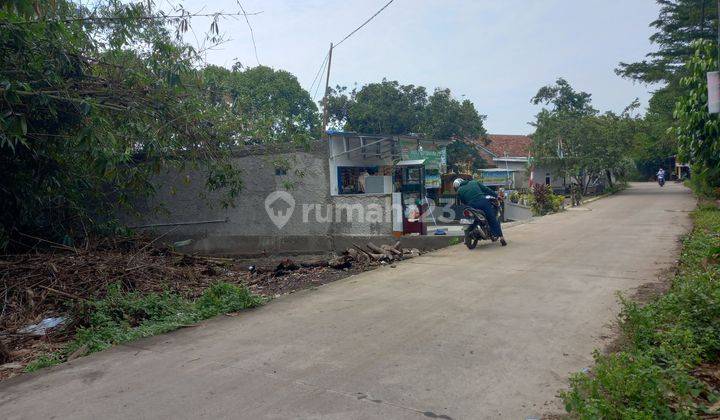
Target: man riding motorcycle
x,y
473,193
661,176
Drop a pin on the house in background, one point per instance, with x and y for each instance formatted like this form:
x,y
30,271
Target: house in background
x,y
509,157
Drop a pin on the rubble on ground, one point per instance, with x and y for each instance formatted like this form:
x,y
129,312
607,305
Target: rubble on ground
x,y
41,291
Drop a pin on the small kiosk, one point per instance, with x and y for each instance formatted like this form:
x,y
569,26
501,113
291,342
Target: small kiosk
x,y
410,183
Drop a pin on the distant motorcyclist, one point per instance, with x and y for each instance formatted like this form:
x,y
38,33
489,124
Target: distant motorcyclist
x,y
474,194
661,177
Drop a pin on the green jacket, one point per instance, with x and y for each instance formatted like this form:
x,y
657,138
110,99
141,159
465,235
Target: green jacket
x,y
470,191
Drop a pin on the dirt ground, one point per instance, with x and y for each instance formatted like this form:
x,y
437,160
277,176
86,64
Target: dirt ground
x,y
52,283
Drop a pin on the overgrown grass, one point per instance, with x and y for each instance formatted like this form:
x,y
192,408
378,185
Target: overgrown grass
x,y
651,377
126,316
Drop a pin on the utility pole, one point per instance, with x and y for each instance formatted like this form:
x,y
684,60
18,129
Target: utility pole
x,y
713,77
325,97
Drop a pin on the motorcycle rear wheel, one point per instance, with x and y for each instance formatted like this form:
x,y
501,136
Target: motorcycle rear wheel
x,y
470,242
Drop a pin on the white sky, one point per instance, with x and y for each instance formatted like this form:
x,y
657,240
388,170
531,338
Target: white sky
x,y
497,53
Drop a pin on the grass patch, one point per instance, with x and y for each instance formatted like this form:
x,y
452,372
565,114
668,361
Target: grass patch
x,y
666,339
126,316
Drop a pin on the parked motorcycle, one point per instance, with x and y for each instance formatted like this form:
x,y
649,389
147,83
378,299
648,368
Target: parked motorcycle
x,y
477,224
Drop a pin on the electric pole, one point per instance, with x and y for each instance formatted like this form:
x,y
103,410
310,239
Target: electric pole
x,y
325,97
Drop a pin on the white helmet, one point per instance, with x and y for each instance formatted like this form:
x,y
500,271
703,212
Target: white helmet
x,y
457,183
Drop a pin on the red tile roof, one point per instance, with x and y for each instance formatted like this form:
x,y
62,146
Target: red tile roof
x,y
513,145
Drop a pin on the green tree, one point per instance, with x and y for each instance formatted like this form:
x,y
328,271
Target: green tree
x,y
88,94
697,130
564,99
679,24
271,103
655,142
464,156
574,141
444,117
379,108
391,108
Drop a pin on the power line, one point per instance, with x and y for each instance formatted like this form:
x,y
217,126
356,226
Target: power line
x,y
317,75
364,23
252,34
317,88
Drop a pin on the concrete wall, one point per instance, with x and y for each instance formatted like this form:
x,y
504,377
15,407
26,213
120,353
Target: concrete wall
x,y
179,197
362,214
182,200
515,211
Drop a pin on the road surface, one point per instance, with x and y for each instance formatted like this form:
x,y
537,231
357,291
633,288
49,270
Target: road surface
x,y
488,333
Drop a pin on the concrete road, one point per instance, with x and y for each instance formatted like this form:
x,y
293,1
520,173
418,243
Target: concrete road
x,y
489,333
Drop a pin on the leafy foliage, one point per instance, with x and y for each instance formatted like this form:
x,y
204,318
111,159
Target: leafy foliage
x,y
679,24
655,143
391,108
575,141
126,316
543,201
85,94
378,108
271,104
697,130
666,339
464,157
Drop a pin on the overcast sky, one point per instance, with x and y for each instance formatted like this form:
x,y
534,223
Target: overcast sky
x,y
497,53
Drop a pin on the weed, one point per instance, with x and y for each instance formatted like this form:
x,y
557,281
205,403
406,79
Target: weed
x,y
43,361
126,316
666,339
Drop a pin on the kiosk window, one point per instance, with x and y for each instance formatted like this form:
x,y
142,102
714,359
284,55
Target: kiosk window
x,y
351,179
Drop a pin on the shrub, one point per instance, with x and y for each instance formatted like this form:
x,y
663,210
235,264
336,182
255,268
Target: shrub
x,y
665,340
543,201
222,298
126,316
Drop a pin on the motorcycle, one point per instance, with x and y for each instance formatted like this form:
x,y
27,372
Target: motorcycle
x,y
661,181
477,224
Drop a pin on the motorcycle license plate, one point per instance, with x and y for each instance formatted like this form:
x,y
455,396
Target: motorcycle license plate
x,y
466,222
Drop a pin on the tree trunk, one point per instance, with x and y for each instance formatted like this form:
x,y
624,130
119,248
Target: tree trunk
x,y
4,353
609,177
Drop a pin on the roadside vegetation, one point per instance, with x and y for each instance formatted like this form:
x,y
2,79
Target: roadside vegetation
x,y
668,365
540,199
123,316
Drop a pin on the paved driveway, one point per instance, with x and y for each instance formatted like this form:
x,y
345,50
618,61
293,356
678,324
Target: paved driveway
x,y
489,333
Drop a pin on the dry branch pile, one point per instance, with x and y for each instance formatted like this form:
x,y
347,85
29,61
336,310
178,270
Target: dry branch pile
x,y
58,281
43,284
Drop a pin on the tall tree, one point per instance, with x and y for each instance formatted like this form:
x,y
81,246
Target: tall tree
x,y
444,117
679,24
699,131
564,99
86,91
391,108
271,103
574,141
386,107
